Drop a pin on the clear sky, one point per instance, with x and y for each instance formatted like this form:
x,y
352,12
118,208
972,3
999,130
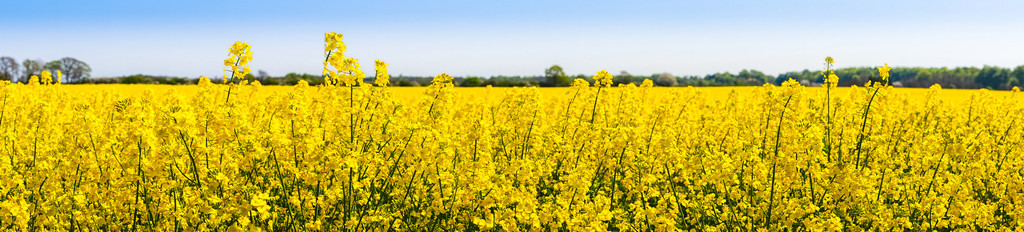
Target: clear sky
x,y
484,38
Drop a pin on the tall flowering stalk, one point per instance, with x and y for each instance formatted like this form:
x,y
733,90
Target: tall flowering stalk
x,y
602,80
239,56
346,71
884,73
381,76
831,82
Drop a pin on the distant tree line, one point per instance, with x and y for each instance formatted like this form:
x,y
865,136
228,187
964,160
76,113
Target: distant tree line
x,y
992,77
72,70
961,77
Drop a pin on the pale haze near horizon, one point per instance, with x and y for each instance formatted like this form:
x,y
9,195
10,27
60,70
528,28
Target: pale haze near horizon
x,y
489,38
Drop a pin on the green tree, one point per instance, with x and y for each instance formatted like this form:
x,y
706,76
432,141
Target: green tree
x,y
52,66
8,68
753,77
923,77
74,70
31,67
723,79
666,79
134,79
993,77
470,82
406,82
623,78
1018,76
249,77
555,76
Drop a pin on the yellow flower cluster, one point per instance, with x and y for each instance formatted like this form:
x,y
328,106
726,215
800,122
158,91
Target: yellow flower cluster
x,y
47,78
603,79
346,70
239,56
381,78
829,76
883,71
782,158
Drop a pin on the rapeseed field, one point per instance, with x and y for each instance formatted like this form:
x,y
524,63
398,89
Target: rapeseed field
x,y
230,155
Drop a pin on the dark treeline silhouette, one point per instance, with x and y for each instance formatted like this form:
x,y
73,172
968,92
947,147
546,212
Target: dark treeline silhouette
x,y
991,77
961,77
72,70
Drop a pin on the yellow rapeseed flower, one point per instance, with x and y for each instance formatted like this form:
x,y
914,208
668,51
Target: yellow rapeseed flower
x,y
580,82
381,78
603,78
239,56
46,77
884,73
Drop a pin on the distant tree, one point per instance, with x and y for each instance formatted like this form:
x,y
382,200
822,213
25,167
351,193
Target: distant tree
x,y
723,79
52,66
31,67
623,78
921,80
291,78
8,68
666,79
555,76
786,76
752,77
262,75
1018,76
249,77
470,82
265,78
134,79
993,77
405,82
74,70
270,81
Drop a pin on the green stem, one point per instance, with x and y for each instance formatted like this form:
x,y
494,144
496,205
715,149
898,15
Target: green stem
x,y
232,78
863,125
351,116
778,137
595,104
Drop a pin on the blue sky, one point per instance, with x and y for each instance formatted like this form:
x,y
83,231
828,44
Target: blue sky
x,y
484,38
